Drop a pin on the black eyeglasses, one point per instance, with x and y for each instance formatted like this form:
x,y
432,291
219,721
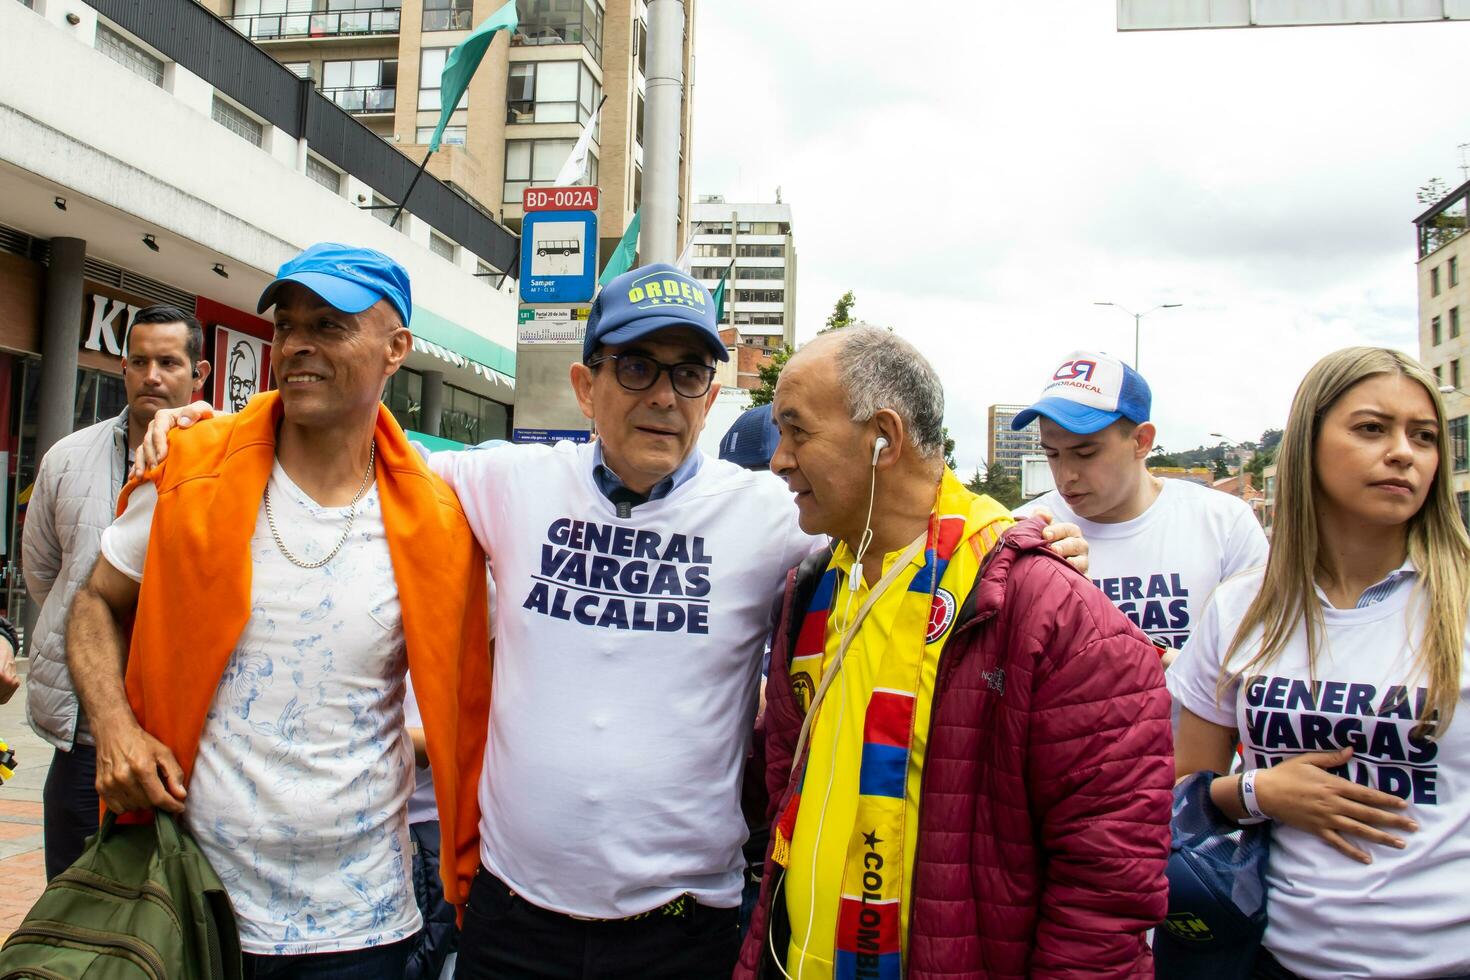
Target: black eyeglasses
x,y
639,372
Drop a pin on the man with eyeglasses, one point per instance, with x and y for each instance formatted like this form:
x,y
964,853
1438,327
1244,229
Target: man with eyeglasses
x,y
635,581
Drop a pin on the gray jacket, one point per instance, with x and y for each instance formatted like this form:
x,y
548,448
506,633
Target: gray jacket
x,y
72,502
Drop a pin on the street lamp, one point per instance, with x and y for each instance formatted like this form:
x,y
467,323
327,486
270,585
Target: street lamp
x,y
1136,318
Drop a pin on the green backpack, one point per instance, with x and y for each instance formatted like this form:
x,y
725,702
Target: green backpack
x,y
141,903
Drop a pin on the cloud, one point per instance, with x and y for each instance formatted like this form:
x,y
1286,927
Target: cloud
x,y
980,174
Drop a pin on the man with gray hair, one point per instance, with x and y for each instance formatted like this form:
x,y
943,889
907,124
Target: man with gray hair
x,y
968,749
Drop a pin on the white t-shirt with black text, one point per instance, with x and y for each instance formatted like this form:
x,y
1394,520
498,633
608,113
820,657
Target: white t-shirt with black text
x,y
1160,567
1408,913
627,653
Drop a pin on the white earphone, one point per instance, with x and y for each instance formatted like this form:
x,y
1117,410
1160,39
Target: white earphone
x,y
878,446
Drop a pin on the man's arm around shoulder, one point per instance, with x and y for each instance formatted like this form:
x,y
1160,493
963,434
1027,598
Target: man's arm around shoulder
x,y
135,771
1100,779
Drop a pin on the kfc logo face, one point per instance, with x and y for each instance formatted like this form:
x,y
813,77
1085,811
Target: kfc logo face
x,y
1075,370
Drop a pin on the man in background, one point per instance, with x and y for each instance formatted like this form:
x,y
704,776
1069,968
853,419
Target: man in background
x,y
73,500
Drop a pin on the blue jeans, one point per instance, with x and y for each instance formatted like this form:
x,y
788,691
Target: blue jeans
x,y
373,963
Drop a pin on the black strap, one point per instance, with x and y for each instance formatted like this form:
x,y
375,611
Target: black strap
x,y
626,500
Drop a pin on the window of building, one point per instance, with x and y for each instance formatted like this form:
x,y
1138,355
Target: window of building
x,y
404,397
362,85
447,15
323,174
561,22
1434,332
384,209
1463,498
640,47
1455,373
1459,434
551,91
453,135
470,418
301,69
129,55
760,272
266,19
236,121
708,251
1454,270
431,67
1439,374
761,251
529,162
638,123
441,246
1434,281
761,295
1454,322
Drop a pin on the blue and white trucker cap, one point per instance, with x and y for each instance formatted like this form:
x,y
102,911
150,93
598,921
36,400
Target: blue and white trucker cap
x,y
1088,392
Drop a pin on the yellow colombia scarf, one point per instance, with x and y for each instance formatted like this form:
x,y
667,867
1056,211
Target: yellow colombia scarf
x,y
871,919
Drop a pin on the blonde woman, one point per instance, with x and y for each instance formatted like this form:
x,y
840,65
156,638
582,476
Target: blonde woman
x,y
1339,667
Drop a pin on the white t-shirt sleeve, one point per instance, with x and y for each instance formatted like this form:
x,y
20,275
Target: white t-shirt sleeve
x,y
1245,546
125,541
1193,678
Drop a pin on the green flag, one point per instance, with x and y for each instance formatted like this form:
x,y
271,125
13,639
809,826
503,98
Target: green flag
x,y
460,66
719,294
622,257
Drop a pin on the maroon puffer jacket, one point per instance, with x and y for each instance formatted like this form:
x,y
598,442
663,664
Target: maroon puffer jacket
x,y
1044,817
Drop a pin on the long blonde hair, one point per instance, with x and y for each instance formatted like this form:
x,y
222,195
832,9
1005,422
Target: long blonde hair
x,y
1437,542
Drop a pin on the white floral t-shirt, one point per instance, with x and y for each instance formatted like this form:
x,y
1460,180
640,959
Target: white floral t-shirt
x,y
304,768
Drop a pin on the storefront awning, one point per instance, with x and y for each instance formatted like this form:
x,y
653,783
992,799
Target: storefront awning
x,y
459,360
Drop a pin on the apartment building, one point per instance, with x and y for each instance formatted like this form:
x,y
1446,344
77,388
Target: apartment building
x,y
381,60
1444,323
1007,447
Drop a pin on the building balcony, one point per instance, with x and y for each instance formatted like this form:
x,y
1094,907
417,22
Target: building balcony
x,y
308,27
364,101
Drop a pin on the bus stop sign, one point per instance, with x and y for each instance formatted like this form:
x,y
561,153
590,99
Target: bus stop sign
x,y
558,256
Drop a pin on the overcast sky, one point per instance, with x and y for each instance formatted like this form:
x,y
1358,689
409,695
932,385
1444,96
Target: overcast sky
x,y
980,172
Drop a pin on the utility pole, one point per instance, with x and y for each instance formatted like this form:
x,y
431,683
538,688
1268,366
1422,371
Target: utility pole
x,y
665,111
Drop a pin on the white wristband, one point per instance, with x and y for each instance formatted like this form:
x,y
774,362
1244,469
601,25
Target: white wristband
x,y
1248,795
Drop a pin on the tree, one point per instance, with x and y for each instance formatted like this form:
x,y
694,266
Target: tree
x,y
1222,468
1159,457
1270,439
948,449
769,374
998,485
841,313
1442,227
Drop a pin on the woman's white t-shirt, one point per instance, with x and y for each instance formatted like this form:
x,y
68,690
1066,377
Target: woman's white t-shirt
x,y
1408,913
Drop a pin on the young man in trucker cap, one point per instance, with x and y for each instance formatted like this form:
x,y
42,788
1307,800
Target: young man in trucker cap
x,y
1159,547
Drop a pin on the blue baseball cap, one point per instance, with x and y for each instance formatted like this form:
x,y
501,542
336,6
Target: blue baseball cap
x,y
1088,392
350,279
752,440
644,301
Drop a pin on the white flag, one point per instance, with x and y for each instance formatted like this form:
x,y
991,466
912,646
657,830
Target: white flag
x,y
576,165
682,263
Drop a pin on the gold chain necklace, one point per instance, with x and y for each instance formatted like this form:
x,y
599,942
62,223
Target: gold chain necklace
x,y
270,518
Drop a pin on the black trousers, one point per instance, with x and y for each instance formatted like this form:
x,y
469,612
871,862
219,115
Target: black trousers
x,y
69,808
507,938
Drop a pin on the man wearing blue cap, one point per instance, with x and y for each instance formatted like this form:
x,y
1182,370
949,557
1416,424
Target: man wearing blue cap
x,y
319,558
1159,547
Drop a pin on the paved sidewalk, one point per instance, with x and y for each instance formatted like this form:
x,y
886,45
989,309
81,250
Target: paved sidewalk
x,y
22,866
